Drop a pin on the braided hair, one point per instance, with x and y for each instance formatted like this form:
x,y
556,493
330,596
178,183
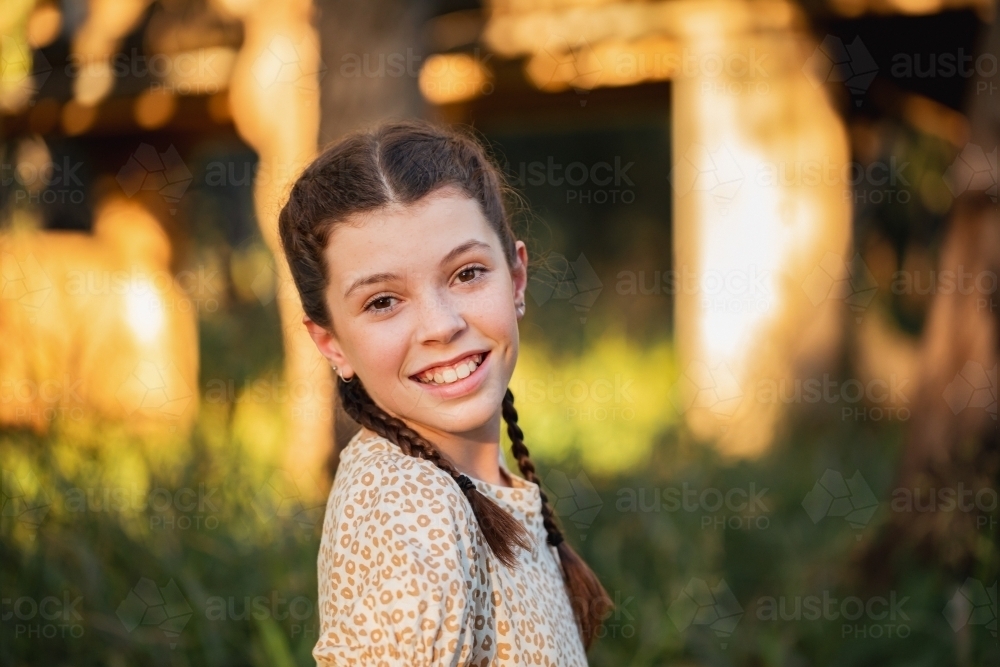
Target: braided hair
x,y
402,162
590,600
501,531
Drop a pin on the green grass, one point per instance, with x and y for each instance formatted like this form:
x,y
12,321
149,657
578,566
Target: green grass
x,y
75,526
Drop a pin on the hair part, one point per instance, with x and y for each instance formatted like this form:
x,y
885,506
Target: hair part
x,y
401,163
395,163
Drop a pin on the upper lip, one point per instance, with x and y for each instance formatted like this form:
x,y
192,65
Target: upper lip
x,y
449,362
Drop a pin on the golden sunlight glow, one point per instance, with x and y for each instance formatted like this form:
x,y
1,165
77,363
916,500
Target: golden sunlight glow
x,y
93,82
144,310
446,78
17,85
748,228
44,25
273,97
101,312
76,118
154,108
742,243
985,8
200,71
97,39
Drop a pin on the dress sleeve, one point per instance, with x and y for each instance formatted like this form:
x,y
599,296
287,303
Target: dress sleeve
x,y
394,579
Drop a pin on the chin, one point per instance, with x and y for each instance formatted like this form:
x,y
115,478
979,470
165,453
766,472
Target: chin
x,y
462,414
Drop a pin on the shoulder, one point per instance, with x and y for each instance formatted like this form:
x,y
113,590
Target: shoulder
x,y
395,502
373,465
396,569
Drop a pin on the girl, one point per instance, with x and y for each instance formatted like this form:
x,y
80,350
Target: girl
x,y
412,284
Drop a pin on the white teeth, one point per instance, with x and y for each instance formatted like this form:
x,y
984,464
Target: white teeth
x,y
452,374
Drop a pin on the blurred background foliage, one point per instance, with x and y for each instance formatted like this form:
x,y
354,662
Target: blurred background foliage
x,y
185,517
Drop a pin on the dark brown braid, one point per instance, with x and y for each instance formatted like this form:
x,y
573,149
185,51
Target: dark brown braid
x,y
501,531
590,601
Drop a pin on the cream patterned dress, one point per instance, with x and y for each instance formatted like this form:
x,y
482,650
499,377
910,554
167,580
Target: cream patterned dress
x,y
405,577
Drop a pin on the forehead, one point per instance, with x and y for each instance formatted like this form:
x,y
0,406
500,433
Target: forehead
x,y
401,238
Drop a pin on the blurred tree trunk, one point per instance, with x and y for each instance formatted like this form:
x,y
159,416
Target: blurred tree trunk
x,y
364,47
274,98
372,52
952,437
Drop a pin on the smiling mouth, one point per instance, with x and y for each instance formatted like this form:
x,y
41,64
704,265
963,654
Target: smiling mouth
x,y
445,375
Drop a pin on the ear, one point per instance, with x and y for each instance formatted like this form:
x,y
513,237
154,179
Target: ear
x,y
519,273
328,345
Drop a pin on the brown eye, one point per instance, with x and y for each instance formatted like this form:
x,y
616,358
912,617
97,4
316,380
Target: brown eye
x,y
380,304
471,273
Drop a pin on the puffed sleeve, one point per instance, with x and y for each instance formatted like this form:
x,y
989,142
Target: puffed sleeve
x,y
394,579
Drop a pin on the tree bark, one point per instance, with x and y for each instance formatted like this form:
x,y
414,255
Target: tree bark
x,y
952,437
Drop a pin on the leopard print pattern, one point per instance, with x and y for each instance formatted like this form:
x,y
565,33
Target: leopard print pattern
x,y
405,577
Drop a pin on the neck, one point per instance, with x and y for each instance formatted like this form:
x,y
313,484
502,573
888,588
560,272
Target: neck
x,y
474,453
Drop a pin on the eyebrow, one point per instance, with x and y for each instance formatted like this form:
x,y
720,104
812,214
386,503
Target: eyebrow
x,y
386,277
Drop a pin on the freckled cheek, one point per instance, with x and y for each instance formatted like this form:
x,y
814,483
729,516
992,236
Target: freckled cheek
x,y
492,313
381,351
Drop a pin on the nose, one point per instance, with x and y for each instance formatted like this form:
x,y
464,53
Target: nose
x,y
439,317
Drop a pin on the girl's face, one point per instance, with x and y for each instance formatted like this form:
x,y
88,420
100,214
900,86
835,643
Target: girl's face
x,y
424,309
